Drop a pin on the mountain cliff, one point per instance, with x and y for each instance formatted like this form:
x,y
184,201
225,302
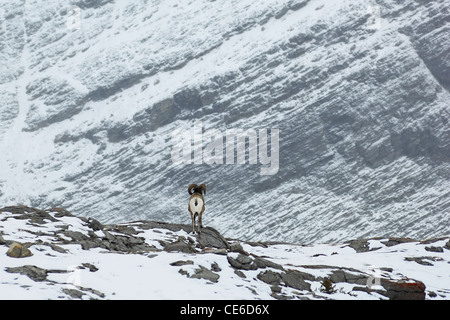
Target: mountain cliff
x,y
91,93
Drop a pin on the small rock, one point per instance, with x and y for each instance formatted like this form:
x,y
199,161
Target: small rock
x,y
275,289
269,277
180,263
95,224
242,262
434,249
215,251
73,293
179,246
204,273
295,280
16,250
91,267
2,241
183,272
447,245
237,247
215,267
58,248
240,274
264,263
359,245
243,259
419,260
395,241
75,235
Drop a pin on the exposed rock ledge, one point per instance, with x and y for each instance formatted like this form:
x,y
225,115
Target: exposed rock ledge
x,y
51,239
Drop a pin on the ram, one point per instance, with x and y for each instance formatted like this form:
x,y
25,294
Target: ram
x,y
196,204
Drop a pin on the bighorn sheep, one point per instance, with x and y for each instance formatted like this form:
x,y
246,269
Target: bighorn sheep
x,y
196,204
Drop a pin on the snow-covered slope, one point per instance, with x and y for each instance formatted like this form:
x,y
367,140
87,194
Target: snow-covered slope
x,y
89,102
77,258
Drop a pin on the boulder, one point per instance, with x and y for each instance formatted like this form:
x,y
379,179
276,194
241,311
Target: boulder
x,y
17,250
404,289
270,277
210,237
295,279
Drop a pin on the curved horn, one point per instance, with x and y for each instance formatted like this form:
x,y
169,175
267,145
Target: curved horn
x,y
192,186
203,187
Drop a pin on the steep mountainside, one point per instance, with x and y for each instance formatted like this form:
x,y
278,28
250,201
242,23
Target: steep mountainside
x,y
91,93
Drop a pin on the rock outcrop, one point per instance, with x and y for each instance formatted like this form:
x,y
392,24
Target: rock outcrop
x,y
255,269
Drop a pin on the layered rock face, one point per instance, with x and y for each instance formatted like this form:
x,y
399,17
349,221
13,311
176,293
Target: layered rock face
x,y
92,92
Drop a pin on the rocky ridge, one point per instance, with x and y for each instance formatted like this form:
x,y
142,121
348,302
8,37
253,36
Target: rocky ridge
x,y
70,257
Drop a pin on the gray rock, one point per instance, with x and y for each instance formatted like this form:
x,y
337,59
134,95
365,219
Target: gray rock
x,y
32,272
420,260
349,277
237,247
89,266
179,246
270,277
402,290
395,241
264,263
58,248
76,236
32,214
295,279
2,241
447,245
181,263
215,251
73,293
95,224
240,273
434,249
360,245
204,273
210,237
215,267
242,262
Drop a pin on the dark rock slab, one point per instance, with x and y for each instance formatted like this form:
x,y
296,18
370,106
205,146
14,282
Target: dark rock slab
x,y
32,272
270,277
295,279
179,246
210,237
404,290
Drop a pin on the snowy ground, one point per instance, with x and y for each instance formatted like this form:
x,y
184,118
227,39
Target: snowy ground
x,y
70,272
